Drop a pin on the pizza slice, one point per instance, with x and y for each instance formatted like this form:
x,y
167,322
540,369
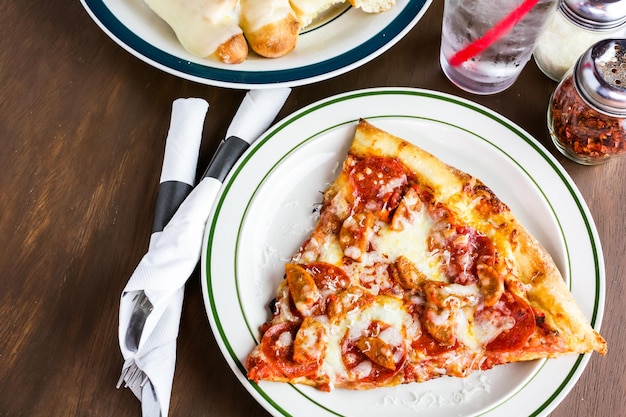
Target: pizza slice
x,y
415,270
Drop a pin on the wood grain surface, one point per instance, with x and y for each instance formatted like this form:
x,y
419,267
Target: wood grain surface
x,y
82,131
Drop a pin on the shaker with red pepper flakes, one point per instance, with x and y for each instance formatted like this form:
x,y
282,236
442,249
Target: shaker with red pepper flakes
x,y
587,111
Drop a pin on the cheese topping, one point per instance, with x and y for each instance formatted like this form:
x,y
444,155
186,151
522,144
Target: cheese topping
x,y
391,243
258,13
200,25
386,310
308,10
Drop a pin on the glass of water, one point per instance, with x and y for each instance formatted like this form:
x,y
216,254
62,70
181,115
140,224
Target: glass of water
x,y
485,44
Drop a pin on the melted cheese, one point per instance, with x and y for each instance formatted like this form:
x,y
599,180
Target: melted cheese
x,y
353,325
466,294
485,331
331,252
285,339
308,10
465,300
309,338
258,13
474,334
412,242
200,25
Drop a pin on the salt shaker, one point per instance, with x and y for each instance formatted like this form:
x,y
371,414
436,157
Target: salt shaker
x,y
587,111
574,27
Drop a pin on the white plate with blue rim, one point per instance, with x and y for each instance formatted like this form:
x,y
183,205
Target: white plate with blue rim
x,y
266,209
344,39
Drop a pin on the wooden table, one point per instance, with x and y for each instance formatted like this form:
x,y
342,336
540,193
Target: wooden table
x,y
82,128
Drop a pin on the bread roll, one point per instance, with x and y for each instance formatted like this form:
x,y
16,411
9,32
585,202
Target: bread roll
x,y
270,26
225,29
307,10
205,27
373,6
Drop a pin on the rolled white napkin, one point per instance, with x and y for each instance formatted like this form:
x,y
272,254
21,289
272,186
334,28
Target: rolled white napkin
x,y
174,253
178,173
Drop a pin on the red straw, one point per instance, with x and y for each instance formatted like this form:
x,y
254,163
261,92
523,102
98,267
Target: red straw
x,y
493,34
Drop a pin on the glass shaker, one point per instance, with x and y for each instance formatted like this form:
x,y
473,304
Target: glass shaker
x,y
574,27
587,111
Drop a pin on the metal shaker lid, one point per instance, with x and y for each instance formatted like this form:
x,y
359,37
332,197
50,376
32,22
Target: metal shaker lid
x,y
595,14
600,75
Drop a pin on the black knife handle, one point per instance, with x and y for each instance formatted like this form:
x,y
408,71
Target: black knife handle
x,y
225,157
170,195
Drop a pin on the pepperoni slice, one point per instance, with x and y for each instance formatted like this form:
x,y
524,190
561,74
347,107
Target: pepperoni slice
x,y
516,337
328,277
277,345
378,184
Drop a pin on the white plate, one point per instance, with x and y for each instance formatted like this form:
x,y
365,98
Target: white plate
x,y
265,211
345,40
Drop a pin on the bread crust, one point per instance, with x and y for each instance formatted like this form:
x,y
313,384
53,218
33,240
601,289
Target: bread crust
x,y
308,10
274,39
233,51
373,6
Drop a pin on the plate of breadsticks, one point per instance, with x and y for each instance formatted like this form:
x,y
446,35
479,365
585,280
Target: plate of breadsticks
x,y
252,44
